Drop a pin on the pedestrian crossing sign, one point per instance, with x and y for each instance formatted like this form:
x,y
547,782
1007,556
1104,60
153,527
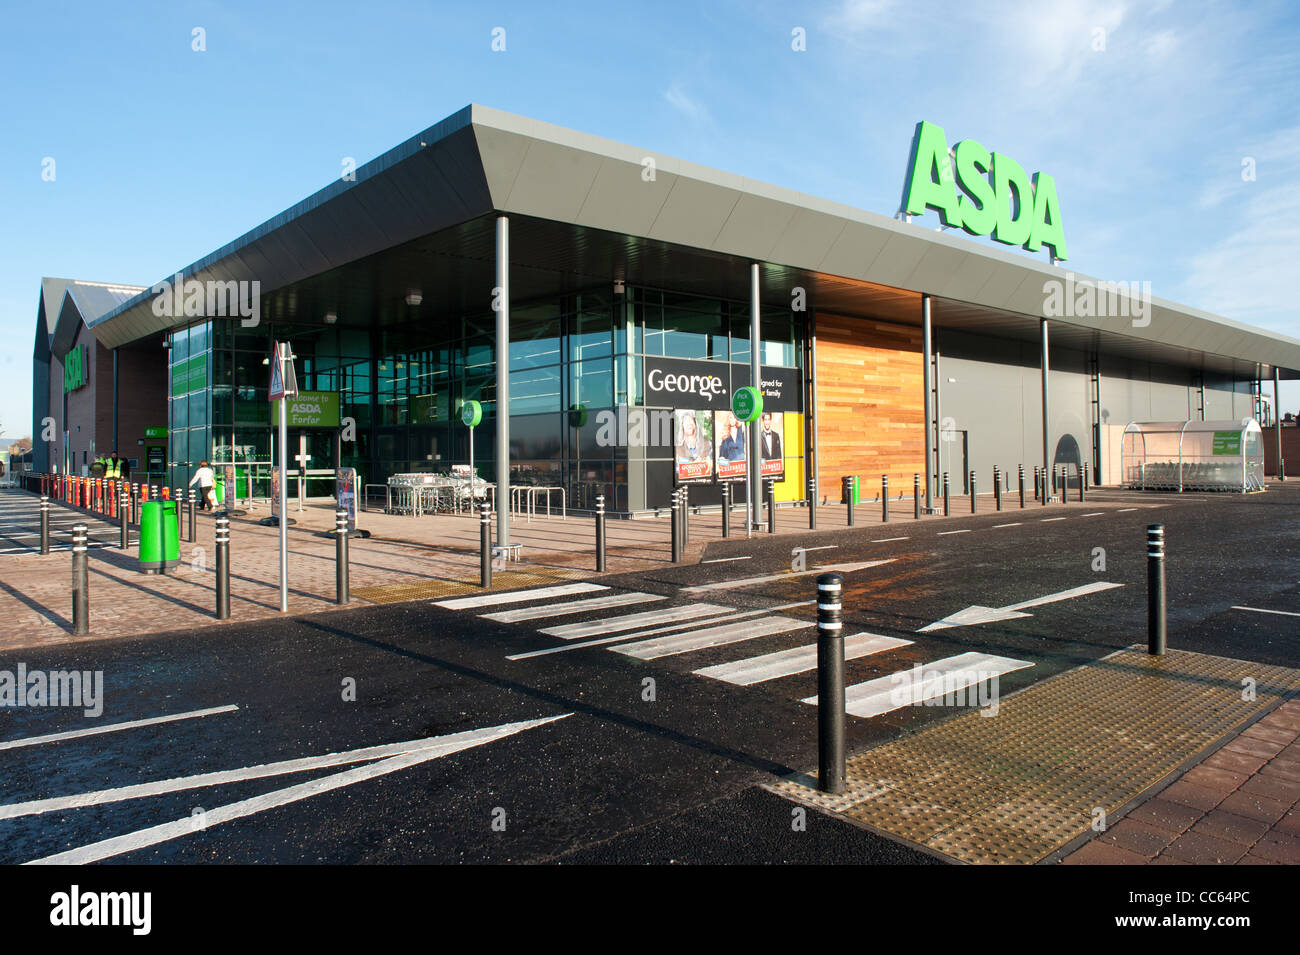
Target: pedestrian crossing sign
x,y
284,380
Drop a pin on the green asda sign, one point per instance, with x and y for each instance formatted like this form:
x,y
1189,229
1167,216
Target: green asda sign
x,y
987,193
76,373
309,409
190,375
1227,442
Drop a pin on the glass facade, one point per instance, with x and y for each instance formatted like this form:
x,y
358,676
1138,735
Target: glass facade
x,y
402,386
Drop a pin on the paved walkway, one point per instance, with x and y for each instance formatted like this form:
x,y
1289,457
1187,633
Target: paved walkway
x,y
1241,805
405,558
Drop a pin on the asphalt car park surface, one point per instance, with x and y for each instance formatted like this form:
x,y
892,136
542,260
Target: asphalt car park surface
x,y
640,758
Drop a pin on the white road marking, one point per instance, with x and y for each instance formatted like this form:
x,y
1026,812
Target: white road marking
x,y
152,836
886,540
1123,509
648,633
592,628
822,547
709,637
115,727
1015,524
1048,520
572,606
1093,514
965,531
978,614
723,560
783,663
1283,613
789,575
908,687
517,596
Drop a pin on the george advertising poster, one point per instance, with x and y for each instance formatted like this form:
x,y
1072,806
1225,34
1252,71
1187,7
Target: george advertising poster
x,y
275,492
345,492
769,444
693,451
730,441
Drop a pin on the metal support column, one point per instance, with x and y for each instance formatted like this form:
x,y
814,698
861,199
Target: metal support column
x,y
501,302
756,379
926,385
1277,422
1046,370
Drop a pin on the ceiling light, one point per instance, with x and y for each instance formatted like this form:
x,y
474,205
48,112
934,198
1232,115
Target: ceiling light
x,y
414,297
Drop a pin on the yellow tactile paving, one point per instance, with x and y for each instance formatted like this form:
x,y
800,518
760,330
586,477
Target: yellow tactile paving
x,y
1016,787
501,580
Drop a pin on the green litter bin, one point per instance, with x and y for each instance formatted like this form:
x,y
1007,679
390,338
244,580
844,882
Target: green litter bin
x,y
219,489
160,536
857,489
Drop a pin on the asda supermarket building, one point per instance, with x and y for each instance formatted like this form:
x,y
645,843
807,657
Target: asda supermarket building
x,y
582,289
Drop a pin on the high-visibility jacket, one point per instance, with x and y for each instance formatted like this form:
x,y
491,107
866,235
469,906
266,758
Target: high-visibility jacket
x,y
113,469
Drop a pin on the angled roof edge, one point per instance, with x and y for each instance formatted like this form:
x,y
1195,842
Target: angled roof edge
x,y
83,303
516,165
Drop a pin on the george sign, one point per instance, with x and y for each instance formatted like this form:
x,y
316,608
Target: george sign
x,y
996,196
76,369
747,404
309,409
471,413
670,382
693,450
1227,443
345,492
275,492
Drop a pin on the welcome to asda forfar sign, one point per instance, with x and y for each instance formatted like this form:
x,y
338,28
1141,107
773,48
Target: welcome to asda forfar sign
x,y
309,409
987,192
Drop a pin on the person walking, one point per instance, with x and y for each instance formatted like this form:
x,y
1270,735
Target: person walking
x,y
206,481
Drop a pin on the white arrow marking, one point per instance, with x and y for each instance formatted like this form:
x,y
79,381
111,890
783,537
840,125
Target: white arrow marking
x,y
825,568
977,614
143,838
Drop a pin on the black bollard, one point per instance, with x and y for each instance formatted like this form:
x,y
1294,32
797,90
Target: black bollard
x,y
972,492
1157,629
848,496
916,497
485,544
80,582
45,524
771,506
190,500
123,511
1022,487
830,684
223,567
947,500
726,509
997,487
686,516
600,533
812,504
341,590
884,498
1083,480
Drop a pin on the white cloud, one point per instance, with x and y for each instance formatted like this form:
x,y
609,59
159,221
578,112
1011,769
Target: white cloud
x,y
692,108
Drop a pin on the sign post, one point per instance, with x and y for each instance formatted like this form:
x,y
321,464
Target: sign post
x,y
471,413
284,385
747,406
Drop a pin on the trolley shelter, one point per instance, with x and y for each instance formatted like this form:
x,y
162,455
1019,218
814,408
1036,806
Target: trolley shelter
x,y
1193,455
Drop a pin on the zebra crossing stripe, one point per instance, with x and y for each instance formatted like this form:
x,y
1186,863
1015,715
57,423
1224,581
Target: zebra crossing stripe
x,y
517,596
773,666
593,628
924,682
709,637
572,606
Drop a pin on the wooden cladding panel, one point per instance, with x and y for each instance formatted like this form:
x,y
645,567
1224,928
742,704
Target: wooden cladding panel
x,y
870,407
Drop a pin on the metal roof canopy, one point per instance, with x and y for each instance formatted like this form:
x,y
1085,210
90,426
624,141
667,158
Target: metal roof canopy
x,y
582,213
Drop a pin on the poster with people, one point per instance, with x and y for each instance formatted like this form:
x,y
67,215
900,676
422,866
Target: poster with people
x,y
769,444
731,442
693,451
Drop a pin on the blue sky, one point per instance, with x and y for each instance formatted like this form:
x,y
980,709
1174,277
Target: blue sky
x,y
162,153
